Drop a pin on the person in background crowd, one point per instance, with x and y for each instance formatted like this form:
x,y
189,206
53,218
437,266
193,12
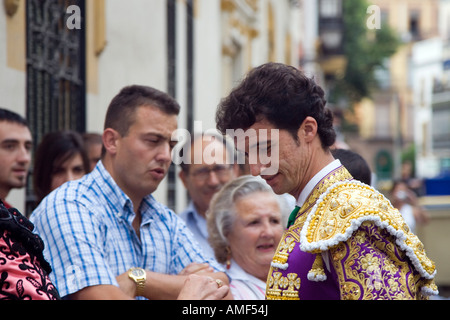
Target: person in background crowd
x,y
15,152
407,176
93,146
203,174
355,164
105,235
245,221
60,157
406,201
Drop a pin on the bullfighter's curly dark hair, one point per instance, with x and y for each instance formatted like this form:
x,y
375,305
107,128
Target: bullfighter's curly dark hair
x,y
280,94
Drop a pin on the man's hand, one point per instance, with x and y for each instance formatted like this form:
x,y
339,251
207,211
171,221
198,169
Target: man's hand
x,y
168,287
187,287
202,288
196,268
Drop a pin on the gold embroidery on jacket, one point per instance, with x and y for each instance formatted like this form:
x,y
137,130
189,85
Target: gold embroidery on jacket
x,y
283,288
346,206
362,274
336,217
276,284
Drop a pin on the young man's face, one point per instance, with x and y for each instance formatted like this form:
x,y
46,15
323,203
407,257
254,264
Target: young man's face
x,y
15,156
287,171
143,156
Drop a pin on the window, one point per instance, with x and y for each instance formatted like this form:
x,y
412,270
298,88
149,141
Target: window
x,y
330,8
414,25
56,89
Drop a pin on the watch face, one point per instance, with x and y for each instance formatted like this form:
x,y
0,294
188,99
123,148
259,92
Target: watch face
x,y
137,272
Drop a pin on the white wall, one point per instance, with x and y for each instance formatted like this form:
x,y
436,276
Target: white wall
x,y
208,68
135,53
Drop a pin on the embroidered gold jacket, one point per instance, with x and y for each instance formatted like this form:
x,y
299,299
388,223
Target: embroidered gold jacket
x,y
348,242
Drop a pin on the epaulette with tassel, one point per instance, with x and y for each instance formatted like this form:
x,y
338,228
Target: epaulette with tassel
x,y
317,272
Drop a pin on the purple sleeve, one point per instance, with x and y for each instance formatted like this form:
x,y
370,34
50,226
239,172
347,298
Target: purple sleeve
x,y
370,266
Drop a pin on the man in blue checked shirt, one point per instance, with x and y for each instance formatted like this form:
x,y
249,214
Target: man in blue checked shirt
x,y
105,235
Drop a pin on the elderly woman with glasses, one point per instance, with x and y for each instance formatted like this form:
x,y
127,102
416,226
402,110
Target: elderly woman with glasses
x,y
245,223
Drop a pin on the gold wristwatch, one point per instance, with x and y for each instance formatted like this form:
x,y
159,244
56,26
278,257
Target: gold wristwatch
x,y
138,275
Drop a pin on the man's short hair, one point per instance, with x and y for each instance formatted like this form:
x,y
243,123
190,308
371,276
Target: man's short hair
x,y
10,116
355,164
280,94
187,148
121,111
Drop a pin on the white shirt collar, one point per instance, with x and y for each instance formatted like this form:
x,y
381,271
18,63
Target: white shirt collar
x,y
315,180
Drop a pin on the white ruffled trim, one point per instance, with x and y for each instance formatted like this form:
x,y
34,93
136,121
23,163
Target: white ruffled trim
x,y
427,291
312,276
282,266
325,245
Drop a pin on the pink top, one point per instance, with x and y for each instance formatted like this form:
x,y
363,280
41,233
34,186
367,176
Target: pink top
x,y
23,269
22,277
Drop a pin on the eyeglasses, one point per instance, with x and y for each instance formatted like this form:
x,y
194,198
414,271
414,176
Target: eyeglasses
x,y
221,171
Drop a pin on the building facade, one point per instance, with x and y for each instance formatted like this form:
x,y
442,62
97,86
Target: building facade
x,y
389,121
